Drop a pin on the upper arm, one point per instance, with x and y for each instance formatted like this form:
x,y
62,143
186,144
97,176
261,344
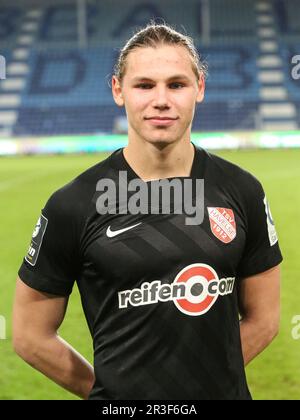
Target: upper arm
x,y
52,262
35,313
259,297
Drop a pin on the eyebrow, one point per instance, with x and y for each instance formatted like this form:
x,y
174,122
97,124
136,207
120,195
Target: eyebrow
x,y
175,77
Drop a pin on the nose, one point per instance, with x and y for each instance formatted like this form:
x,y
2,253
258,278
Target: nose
x,y
161,99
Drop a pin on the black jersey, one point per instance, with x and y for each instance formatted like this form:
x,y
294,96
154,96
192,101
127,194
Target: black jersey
x,y
159,296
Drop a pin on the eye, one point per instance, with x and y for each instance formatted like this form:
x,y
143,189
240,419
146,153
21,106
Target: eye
x,y
176,85
144,86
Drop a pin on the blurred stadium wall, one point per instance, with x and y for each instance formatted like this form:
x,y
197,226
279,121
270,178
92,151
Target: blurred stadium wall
x,y
57,56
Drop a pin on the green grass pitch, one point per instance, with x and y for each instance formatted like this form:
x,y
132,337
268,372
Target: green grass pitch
x,y
25,185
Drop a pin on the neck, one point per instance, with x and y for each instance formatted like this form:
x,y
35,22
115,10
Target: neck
x,y
150,161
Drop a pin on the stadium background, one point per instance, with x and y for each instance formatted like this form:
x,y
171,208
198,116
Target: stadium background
x,y
56,104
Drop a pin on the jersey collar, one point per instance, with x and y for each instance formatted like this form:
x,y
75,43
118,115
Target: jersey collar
x,y
119,163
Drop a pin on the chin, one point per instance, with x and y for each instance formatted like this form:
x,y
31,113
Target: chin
x,y
160,141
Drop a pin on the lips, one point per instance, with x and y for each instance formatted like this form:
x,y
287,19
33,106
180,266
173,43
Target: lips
x,y
161,121
160,118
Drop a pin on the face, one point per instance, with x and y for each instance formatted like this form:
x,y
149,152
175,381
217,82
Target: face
x,y
159,91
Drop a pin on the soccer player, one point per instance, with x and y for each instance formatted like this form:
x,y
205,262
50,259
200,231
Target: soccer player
x,y
176,310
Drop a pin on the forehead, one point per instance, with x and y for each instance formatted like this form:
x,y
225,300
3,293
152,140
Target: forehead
x,y
164,59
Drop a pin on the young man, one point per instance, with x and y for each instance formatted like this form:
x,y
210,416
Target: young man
x,y
162,298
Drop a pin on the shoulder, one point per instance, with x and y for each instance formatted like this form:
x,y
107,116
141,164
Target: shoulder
x,y
75,197
230,175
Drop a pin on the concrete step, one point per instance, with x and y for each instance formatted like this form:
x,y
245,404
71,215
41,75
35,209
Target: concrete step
x,y
265,19
270,76
25,40
17,69
21,53
12,84
30,26
280,126
34,13
269,61
266,32
273,93
8,117
268,46
263,6
9,101
286,110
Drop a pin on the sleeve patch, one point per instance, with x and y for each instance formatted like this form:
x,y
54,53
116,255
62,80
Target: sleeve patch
x,y
270,224
37,240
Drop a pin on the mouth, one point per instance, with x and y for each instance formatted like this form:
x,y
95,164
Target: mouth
x,y
161,121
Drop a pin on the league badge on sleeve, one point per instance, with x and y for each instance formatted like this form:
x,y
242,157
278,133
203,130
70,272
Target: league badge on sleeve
x,y
270,223
36,241
222,223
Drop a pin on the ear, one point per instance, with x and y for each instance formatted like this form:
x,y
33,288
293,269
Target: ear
x,y
117,91
201,89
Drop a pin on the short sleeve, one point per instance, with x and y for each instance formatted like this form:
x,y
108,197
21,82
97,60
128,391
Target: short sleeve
x,y
51,264
261,251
